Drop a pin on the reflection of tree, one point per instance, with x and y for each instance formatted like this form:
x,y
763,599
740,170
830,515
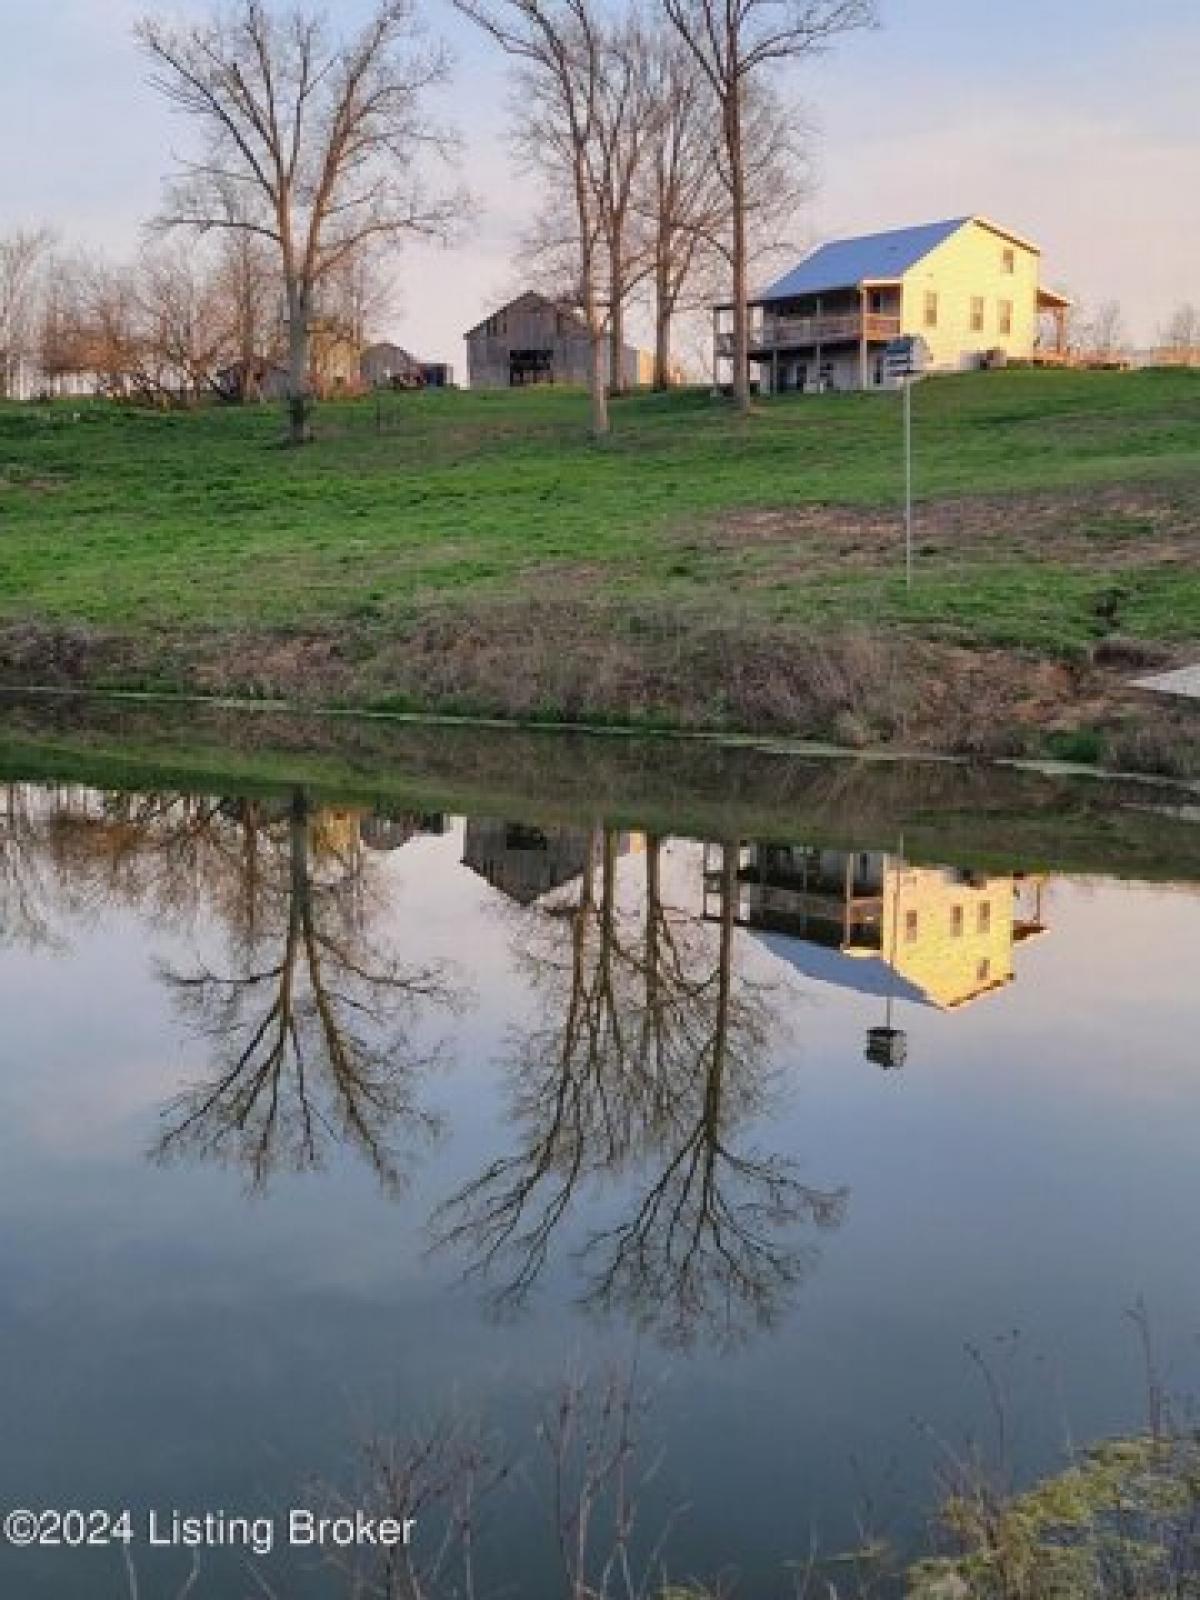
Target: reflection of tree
x,y
651,1059
85,850
25,892
313,1031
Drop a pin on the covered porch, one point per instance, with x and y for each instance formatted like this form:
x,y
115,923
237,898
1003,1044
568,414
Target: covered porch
x,y
818,342
1054,345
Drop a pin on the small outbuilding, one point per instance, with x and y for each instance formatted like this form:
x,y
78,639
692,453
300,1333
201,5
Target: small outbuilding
x,y
391,366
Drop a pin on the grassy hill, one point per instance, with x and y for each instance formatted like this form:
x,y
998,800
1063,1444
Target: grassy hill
x,y
476,552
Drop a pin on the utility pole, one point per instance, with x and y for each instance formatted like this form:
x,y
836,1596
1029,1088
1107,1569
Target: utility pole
x,y
908,483
906,359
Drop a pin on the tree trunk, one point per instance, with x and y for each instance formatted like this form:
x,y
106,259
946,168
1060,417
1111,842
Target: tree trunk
x,y
741,314
597,378
662,327
597,383
617,382
299,385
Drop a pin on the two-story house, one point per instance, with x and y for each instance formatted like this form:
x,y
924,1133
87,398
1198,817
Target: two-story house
x,y
970,288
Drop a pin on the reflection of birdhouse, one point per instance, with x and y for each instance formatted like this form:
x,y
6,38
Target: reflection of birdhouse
x,y
887,1047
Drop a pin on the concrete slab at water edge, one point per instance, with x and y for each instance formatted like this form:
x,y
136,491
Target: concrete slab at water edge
x,y
1183,683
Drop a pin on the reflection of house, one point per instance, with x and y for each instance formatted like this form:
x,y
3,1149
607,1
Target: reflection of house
x,y
536,340
870,921
970,289
524,862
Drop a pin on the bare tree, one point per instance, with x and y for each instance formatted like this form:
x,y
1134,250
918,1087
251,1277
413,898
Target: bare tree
x,y
22,257
1103,335
1181,335
249,290
357,294
186,327
681,198
312,145
735,43
627,113
559,47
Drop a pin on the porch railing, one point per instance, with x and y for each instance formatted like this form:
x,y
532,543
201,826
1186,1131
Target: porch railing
x,y
778,333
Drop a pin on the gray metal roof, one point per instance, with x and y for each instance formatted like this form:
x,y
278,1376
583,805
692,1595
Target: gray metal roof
x,y
875,257
869,975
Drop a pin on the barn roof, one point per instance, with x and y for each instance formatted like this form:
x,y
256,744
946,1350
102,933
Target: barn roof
x,y
533,300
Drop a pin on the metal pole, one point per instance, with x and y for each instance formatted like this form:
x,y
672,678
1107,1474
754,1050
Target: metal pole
x,y
908,482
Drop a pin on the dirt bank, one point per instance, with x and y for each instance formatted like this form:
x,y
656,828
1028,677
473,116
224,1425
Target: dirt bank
x,y
539,662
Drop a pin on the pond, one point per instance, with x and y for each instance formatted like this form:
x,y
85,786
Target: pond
x,y
512,1161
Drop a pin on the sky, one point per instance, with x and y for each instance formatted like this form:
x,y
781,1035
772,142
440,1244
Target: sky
x,y
1076,124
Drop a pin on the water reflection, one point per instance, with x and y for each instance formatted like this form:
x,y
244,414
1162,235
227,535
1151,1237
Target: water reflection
x,y
643,1071
647,1060
869,920
311,1025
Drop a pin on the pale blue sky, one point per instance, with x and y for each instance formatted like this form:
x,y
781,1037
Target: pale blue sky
x,y
1077,123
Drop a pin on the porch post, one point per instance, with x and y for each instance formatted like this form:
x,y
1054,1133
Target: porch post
x,y
862,339
716,348
817,341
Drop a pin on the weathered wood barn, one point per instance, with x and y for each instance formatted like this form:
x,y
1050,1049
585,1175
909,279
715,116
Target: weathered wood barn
x,y
533,339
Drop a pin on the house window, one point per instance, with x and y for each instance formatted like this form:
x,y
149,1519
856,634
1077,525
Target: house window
x,y
931,308
1005,316
911,927
956,921
984,970
976,313
1010,262
877,301
985,917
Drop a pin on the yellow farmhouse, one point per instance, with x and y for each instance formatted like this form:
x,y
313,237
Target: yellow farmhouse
x,y
970,288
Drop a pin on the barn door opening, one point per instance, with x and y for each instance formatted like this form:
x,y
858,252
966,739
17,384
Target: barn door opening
x,y
530,366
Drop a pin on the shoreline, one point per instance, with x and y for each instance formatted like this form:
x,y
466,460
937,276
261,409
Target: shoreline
x,y
878,695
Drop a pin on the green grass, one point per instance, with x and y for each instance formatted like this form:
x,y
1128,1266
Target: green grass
x,y
137,520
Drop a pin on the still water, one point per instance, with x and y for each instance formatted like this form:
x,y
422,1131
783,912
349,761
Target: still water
x,y
329,1126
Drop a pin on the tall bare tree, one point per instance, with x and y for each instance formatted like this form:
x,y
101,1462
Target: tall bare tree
x,y
559,48
681,199
22,258
736,43
627,114
311,144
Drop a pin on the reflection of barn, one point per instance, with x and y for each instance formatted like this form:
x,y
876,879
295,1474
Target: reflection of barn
x,y
521,861
869,921
380,832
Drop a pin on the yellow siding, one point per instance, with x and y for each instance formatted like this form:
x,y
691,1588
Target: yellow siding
x,y
951,967
967,265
